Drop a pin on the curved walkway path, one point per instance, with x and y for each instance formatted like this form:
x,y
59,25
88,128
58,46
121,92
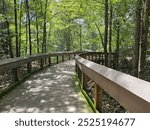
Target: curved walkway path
x,y
50,90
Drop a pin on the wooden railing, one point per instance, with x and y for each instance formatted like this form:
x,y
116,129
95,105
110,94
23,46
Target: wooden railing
x,y
132,93
15,70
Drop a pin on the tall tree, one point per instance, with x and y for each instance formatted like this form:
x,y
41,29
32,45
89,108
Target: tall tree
x,y
144,31
110,34
29,26
44,46
20,28
106,33
16,29
137,38
141,36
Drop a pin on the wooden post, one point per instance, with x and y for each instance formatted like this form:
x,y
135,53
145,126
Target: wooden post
x,y
84,81
76,68
29,67
62,58
98,97
49,61
79,74
102,58
69,56
57,59
42,63
15,74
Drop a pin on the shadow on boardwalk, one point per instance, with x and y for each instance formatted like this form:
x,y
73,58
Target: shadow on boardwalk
x,y
51,90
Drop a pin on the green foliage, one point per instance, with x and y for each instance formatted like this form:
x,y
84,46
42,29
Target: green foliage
x,y
63,29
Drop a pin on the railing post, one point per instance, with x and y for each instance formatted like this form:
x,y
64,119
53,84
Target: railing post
x,y
84,81
69,56
62,57
57,60
80,75
42,63
15,74
29,67
98,97
76,67
49,61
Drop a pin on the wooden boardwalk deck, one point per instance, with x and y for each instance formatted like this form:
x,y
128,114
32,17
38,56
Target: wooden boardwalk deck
x,y
50,90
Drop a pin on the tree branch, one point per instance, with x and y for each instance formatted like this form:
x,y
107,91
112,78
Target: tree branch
x,y
100,33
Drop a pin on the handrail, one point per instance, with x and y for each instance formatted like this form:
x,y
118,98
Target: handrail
x,y
43,60
132,93
16,62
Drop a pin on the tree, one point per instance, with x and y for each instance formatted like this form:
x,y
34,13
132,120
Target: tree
x,y
137,38
44,46
29,26
106,33
141,36
110,34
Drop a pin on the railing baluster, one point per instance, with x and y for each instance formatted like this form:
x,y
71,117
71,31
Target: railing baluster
x,y
29,67
15,74
84,81
62,57
98,97
49,61
69,57
57,59
42,63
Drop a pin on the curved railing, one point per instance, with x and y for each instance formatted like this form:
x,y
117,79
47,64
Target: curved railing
x,y
15,70
132,93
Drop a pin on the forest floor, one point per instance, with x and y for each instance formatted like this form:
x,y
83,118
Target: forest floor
x,y
50,90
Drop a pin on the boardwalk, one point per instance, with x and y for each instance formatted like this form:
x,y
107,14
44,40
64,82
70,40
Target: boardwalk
x,y
51,90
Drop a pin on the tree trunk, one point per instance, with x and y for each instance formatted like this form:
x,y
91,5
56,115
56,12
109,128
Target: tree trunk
x,y
100,35
28,16
9,40
137,38
106,33
26,46
44,48
144,35
37,34
16,29
110,35
20,26
117,42
80,26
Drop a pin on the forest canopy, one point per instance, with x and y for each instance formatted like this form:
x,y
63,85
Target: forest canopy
x,y
38,26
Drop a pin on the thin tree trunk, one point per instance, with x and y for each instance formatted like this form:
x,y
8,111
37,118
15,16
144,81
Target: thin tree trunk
x,y
26,46
100,34
16,29
44,30
9,40
106,33
80,37
37,34
20,24
29,26
118,43
110,35
144,34
137,38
